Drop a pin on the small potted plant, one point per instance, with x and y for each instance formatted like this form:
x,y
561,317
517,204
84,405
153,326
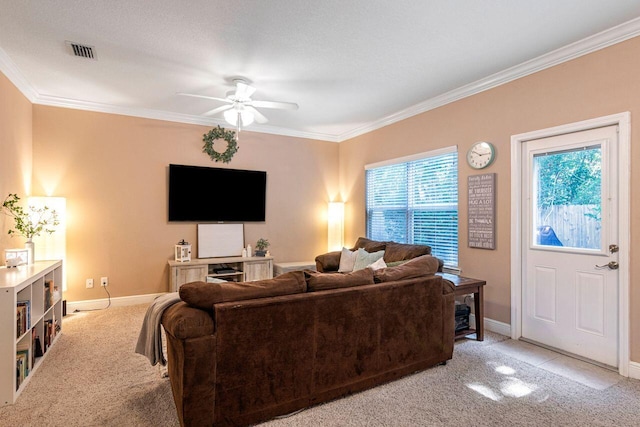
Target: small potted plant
x,y
30,222
261,247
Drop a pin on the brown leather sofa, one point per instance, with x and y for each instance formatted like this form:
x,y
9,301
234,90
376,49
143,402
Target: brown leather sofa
x,y
242,353
393,253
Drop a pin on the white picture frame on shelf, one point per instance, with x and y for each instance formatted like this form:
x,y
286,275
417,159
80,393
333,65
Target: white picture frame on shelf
x,y
220,240
16,257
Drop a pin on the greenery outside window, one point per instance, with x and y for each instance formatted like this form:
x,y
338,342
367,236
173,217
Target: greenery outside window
x,y
415,200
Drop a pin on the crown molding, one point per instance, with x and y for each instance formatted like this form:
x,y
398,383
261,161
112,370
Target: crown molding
x,y
16,77
13,73
54,101
582,47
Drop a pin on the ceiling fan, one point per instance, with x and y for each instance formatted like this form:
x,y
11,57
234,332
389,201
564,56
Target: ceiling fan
x,y
241,109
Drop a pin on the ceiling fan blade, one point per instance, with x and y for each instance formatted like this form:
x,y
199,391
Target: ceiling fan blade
x,y
260,118
204,96
244,91
275,104
218,110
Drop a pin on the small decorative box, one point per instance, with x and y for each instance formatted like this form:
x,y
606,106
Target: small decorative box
x,y
15,257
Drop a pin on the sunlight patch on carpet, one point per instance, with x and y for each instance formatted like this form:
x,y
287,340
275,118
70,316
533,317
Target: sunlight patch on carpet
x,y
505,370
513,387
485,391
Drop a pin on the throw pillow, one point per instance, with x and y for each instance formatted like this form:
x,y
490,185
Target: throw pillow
x,y
369,245
404,251
364,259
378,265
322,281
347,260
396,263
424,265
205,295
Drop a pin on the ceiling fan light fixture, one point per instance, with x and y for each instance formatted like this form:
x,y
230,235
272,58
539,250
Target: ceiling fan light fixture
x,y
231,116
240,110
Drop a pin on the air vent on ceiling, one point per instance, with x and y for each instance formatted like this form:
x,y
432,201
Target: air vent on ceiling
x,y
83,51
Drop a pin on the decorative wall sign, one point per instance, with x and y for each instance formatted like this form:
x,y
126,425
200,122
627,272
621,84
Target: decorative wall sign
x,y
482,211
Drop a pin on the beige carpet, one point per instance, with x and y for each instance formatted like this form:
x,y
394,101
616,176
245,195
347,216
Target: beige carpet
x,y
92,377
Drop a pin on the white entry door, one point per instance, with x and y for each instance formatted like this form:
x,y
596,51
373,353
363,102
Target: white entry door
x,y
569,243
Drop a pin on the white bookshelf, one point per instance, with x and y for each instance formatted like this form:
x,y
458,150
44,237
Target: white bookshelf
x,y
20,286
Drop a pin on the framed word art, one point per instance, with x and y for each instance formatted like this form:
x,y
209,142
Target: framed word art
x,y
482,211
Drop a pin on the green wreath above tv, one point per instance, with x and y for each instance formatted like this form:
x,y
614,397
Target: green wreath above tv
x,y
214,134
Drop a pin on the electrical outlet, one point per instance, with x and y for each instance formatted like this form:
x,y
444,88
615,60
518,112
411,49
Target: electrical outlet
x,y
89,283
104,281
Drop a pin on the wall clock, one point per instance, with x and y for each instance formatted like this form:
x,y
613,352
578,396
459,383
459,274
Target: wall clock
x,y
481,154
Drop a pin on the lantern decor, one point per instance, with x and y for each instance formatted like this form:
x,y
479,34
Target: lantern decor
x,y
183,251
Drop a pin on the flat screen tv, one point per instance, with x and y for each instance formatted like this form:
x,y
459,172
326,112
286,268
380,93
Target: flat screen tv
x,y
205,194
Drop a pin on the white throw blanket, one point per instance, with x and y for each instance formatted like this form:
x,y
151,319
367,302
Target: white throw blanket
x,y
150,339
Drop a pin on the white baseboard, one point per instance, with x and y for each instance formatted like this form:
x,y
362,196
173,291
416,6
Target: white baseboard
x,y
492,325
634,370
497,327
96,304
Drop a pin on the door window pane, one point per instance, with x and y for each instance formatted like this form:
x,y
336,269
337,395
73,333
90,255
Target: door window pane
x,y
568,198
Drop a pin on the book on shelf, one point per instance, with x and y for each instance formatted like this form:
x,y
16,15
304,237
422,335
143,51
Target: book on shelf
x,y
50,330
48,294
22,366
37,346
23,317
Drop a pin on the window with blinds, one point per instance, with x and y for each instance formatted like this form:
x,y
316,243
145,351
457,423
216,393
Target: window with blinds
x,y
416,201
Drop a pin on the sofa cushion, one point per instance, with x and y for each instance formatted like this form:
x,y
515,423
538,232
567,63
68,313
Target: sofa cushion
x,y
424,265
402,251
205,295
365,258
377,265
329,261
369,245
397,263
323,281
347,260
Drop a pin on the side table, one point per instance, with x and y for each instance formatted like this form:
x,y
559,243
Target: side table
x,y
285,267
465,286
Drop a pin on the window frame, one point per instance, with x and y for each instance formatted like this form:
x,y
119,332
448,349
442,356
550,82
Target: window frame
x,y
407,204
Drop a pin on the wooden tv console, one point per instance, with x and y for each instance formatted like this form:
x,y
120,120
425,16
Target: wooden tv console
x,y
239,270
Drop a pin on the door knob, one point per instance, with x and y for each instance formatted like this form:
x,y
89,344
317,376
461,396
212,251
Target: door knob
x,y
612,265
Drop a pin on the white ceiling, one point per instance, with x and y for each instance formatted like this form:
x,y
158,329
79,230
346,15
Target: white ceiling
x,y
352,66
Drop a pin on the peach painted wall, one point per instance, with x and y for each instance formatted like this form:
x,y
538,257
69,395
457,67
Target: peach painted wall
x,y
599,84
15,154
113,171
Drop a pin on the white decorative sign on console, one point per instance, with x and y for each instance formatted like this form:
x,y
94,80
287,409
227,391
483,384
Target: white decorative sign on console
x,y
220,240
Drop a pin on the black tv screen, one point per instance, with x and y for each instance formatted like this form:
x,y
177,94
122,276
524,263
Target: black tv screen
x,y
214,194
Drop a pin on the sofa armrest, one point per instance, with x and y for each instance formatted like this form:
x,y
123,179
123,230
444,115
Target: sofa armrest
x,y
328,262
447,287
191,356
184,322
448,317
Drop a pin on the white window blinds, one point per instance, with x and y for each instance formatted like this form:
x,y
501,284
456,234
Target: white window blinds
x,y
416,202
